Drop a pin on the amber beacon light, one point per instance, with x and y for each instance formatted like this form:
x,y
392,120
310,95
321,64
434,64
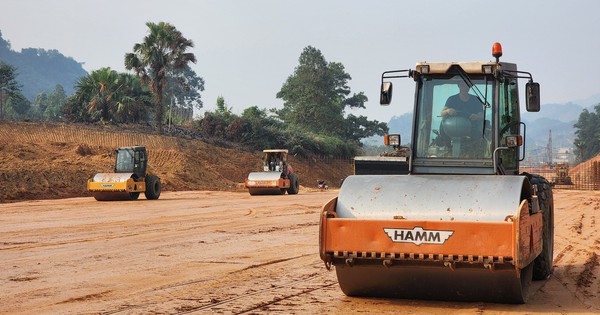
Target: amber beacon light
x,y
497,51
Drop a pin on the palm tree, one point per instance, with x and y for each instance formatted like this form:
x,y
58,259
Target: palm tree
x,y
163,49
134,99
98,92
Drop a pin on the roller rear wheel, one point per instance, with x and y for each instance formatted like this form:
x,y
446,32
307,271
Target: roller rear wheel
x,y
542,265
153,187
294,184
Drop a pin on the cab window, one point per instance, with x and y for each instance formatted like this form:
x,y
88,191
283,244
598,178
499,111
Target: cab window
x,y
463,130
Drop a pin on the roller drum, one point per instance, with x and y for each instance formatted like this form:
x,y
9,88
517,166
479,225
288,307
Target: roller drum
x,y
111,191
435,283
111,177
113,195
482,198
430,198
264,183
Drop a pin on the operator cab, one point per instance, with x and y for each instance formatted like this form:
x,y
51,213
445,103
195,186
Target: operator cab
x,y
131,160
275,160
466,117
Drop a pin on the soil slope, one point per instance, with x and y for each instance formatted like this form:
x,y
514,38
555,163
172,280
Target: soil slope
x,y
48,160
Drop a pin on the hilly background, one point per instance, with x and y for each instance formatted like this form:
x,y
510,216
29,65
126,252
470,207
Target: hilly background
x,y
41,70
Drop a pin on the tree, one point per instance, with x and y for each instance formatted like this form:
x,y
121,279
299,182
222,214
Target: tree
x,y
587,141
163,49
106,95
97,92
317,95
56,102
133,99
222,109
9,86
40,104
184,87
359,127
19,105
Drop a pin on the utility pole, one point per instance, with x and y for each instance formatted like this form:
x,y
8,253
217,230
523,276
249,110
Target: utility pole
x,y
549,149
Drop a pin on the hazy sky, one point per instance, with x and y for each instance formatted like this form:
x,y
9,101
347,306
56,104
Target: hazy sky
x,y
247,49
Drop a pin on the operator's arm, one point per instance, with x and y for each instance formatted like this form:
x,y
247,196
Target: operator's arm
x,y
477,116
448,111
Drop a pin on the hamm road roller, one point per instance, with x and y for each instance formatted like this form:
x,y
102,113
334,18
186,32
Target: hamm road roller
x,y
132,175
455,219
277,176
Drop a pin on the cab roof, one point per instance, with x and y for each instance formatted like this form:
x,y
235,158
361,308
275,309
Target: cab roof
x,y
474,67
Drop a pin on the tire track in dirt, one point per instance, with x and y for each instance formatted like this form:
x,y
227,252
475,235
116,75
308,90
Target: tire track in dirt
x,y
216,304
217,219
264,306
90,239
259,296
576,247
585,278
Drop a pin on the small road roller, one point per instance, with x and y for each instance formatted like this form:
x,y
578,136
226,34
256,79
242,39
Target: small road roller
x,y
132,175
277,176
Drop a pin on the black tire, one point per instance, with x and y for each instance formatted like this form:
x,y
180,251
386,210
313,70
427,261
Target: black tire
x,y
153,187
294,185
134,195
542,265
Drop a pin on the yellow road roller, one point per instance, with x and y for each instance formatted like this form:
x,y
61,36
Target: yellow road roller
x,y
132,175
454,219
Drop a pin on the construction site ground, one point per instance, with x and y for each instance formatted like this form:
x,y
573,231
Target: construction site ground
x,y
210,247
230,253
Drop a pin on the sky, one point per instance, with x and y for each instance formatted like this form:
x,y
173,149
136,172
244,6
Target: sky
x,y
246,50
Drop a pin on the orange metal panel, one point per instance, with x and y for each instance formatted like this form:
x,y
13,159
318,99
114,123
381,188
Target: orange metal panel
x,y
279,183
529,238
467,238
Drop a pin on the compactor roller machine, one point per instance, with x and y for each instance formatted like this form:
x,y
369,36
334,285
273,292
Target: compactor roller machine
x,y
277,176
453,219
132,175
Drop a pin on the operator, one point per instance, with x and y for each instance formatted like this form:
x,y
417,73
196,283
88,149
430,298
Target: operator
x,y
463,104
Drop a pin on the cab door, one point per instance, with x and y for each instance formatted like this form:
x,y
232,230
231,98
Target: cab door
x,y
140,160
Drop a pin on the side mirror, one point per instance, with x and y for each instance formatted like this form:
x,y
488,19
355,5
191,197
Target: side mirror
x,y
386,93
533,97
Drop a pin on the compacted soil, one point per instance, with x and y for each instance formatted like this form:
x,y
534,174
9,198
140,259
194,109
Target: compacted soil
x,y
222,252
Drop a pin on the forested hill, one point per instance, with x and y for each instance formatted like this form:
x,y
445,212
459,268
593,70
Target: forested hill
x,y
41,70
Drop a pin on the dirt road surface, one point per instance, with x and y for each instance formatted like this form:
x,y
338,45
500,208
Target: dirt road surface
x,y
228,253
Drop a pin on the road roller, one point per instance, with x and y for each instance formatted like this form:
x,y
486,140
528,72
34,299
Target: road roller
x,y
454,218
277,175
131,176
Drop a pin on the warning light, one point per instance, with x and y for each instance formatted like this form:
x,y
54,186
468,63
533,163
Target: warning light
x,y
392,140
497,51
